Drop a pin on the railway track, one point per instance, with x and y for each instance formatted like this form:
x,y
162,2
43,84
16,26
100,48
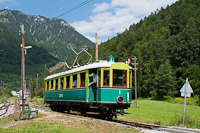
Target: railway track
x,y
158,127
140,125
4,107
134,124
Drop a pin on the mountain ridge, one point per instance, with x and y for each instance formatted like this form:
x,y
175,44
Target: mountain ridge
x,y
44,32
48,38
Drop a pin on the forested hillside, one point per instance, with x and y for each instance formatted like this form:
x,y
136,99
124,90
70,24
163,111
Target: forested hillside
x,y
10,59
167,45
50,33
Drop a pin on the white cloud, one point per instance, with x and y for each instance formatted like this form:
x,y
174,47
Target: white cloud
x,y
4,1
100,7
108,19
93,39
141,6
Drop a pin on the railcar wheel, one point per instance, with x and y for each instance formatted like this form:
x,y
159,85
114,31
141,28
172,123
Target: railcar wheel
x,y
109,117
68,111
53,107
103,117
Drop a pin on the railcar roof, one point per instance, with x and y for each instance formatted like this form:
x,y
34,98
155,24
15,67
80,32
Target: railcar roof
x,y
93,65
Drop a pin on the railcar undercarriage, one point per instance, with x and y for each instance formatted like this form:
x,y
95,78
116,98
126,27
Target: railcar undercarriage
x,y
94,109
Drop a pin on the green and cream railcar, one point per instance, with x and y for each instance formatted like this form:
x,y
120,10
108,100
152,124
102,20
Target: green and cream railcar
x,y
69,90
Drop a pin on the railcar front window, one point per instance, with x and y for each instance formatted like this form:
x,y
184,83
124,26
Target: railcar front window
x,y
119,78
106,78
82,78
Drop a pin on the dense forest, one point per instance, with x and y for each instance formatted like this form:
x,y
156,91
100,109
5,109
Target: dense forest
x,y
10,57
167,45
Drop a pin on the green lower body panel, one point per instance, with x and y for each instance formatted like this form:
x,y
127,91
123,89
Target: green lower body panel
x,y
110,95
74,95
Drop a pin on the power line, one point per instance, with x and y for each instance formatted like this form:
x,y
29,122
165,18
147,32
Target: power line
x,y
124,22
74,8
129,20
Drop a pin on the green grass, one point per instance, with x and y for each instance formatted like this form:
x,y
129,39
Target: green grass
x,y
9,119
40,127
15,117
39,102
163,113
57,123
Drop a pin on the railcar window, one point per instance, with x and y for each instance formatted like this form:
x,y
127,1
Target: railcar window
x,y
51,87
61,83
67,82
99,78
106,78
75,81
47,85
119,78
82,78
56,84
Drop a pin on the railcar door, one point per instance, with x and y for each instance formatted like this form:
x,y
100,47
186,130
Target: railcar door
x,y
93,84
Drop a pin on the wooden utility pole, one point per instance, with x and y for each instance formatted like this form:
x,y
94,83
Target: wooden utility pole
x,y
23,75
96,48
30,87
0,87
36,88
44,82
135,69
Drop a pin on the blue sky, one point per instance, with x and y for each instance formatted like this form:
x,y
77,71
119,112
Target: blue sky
x,y
104,17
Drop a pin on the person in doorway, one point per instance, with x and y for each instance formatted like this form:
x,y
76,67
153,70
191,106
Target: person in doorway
x,y
94,83
75,83
61,84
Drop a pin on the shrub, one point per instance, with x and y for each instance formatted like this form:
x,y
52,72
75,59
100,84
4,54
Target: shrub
x,y
179,100
189,101
39,100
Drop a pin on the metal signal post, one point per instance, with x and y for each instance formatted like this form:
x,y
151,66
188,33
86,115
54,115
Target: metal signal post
x,y
44,81
135,69
30,87
36,88
0,87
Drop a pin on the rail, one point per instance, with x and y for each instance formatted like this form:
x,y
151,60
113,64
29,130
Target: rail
x,y
5,107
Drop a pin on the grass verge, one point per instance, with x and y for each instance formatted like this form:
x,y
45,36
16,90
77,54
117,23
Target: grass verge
x,y
14,117
38,127
163,113
63,123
